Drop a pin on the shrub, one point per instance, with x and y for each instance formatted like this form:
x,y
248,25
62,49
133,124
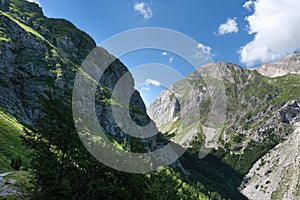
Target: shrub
x,y
16,162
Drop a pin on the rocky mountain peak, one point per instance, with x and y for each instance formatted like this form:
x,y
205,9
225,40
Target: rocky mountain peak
x,y
223,71
166,103
288,65
68,39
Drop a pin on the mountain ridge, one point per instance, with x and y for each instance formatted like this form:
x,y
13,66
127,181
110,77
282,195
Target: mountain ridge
x,y
289,64
39,60
261,112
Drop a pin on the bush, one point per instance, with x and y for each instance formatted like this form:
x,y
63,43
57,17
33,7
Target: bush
x,y
16,162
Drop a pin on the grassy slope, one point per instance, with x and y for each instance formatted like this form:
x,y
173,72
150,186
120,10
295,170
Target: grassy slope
x,y
10,142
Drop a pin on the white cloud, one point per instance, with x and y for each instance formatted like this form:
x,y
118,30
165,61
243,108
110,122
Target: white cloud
x,y
206,49
34,1
171,59
152,82
148,82
276,27
204,52
164,53
143,9
230,26
248,5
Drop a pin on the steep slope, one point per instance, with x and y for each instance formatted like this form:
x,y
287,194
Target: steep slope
x,y
276,174
39,60
11,147
30,62
252,101
261,112
41,56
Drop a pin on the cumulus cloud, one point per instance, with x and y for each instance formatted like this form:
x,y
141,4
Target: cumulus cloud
x,y
148,82
275,25
230,26
248,5
152,82
143,9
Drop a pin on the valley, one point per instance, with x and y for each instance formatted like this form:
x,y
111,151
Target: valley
x,y
242,143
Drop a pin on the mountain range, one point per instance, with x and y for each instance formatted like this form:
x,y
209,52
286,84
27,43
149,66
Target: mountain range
x,y
245,121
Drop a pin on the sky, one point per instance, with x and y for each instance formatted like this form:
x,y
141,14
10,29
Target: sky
x,y
245,32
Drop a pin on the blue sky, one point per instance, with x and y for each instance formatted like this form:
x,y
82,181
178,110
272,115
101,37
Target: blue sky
x,y
244,32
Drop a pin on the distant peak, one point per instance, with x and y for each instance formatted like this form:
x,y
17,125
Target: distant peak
x,y
289,64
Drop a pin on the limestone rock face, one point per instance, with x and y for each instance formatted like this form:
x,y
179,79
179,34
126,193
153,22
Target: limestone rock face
x,y
262,115
250,99
288,65
41,56
276,174
165,108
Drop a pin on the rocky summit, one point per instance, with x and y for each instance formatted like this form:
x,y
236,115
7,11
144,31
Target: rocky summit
x,y
288,65
260,131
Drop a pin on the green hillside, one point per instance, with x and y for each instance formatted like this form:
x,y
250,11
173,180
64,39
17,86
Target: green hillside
x,y
11,148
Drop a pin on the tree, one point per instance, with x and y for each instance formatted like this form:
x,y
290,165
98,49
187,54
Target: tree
x,y
16,162
64,169
52,141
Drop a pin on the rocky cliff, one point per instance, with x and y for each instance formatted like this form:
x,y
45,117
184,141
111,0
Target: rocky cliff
x,y
287,65
252,102
276,174
261,112
40,56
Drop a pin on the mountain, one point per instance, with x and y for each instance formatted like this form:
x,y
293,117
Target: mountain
x,y
244,122
252,101
40,58
287,65
276,174
262,114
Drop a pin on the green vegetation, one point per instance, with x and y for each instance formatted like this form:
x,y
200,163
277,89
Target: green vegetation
x,y
221,172
63,169
289,88
63,29
242,163
172,96
249,95
174,186
54,164
4,39
220,180
12,153
30,30
23,26
10,197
